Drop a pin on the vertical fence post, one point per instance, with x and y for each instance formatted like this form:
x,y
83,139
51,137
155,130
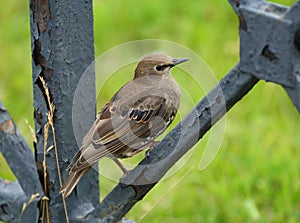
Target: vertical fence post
x,y
62,41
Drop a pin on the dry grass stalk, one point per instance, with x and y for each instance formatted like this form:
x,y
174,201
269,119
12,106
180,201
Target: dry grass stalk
x,y
50,124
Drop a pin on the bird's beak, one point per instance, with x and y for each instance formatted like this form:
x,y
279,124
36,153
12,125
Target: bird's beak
x,y
177,61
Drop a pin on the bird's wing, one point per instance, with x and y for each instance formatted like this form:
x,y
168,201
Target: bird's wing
x,y
124,124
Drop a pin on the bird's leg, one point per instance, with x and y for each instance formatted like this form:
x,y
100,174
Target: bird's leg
x,y
120,165
149,145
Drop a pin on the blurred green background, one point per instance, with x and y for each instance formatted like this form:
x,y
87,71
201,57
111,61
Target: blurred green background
x,y
255,175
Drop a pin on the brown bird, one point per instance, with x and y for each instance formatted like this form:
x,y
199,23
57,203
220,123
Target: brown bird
x,y
138,113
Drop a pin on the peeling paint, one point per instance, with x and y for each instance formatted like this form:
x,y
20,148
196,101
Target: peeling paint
x,y
39,59
266,52
219,99
297,39
243,24
8,127
41,14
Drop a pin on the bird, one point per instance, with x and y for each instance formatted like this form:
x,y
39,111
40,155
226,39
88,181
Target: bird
x,y
133,118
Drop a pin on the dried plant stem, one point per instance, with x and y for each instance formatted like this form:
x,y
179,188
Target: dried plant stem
x,y
45,201
58,170
50,123
25,205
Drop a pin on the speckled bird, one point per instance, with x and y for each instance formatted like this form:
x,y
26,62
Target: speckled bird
x,y
129,123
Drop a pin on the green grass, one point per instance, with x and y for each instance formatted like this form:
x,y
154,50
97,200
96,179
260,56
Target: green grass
x,y
255,175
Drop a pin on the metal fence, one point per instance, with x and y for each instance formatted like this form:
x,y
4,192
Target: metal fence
x,y
269,50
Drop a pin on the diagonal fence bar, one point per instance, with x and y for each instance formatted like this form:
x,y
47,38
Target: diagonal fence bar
x,y
18,154
181,139
12,199
21,160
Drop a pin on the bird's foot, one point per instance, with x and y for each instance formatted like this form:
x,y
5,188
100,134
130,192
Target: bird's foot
x,y
151,146
122,179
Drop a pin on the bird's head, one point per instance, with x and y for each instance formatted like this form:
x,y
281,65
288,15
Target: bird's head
x,y
156,64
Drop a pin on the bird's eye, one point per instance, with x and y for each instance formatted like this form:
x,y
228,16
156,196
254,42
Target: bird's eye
x,y
161,67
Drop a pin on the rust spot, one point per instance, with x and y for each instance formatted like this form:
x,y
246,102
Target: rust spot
x,y
5,208
50,184
237,3
38,116
39,59
41,14
37,56
46,72
112,207
243,24
219,99
266,52
8,127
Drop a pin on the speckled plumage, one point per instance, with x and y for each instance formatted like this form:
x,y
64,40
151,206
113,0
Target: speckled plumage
x,y
139,112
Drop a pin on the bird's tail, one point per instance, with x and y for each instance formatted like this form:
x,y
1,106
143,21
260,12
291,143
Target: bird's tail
x,y
72,181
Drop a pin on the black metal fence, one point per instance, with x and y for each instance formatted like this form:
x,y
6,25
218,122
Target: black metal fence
x,y
269,50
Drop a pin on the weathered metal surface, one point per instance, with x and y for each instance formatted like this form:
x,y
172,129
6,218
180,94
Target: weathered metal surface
x,y
269,43
21,160
62,45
